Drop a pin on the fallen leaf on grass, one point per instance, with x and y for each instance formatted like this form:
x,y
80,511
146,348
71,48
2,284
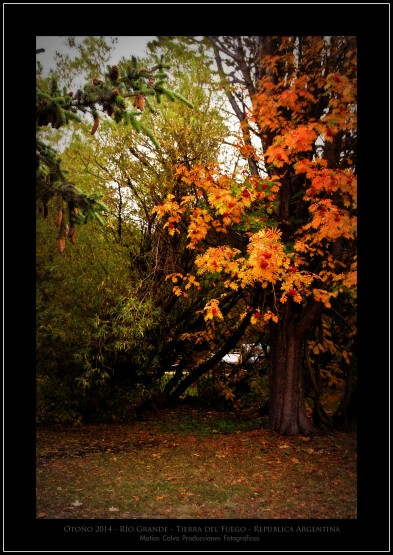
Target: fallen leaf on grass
x,y
113,509
76,503
295,460
239,481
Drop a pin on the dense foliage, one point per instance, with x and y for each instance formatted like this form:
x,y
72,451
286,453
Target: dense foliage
x,y
233,231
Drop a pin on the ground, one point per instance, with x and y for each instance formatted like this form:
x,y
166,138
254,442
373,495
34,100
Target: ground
x,y
190,462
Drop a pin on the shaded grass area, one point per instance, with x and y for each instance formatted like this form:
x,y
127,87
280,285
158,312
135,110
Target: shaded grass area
x,y
187,462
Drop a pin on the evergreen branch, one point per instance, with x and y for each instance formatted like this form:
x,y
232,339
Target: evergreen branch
x,y
149,133
182,99
108,96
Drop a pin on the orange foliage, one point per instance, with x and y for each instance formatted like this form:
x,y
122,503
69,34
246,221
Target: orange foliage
x,y
214,204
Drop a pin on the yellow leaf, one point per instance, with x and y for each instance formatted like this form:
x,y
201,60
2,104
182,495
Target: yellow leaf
x,y
177,291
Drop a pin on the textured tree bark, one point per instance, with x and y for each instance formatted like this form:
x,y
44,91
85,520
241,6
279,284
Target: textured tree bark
x,y
319,416
287,414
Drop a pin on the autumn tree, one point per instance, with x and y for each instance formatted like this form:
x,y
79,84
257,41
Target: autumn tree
x,y
287,225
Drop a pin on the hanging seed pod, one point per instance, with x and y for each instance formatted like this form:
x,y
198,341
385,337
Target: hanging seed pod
x,y
115,73
76,211
72,234
115,92
64,230
59,218
61,243
95,126
139,102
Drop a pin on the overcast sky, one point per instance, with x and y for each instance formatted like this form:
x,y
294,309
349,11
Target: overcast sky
x,y
126,46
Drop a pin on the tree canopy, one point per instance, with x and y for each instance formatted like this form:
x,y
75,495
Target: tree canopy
x,y
244,232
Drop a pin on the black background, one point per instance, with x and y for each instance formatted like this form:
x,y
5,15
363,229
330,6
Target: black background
x,y
370,23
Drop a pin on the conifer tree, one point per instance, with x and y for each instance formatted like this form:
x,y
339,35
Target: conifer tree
x,y
122,95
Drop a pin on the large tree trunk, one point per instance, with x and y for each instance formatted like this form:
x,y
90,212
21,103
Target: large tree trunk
x,y
287,414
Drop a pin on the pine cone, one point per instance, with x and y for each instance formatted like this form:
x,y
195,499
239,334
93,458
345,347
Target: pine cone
x,y
139,102
64,230
95,126
59,218
72,235
115,73
150,82
61,243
